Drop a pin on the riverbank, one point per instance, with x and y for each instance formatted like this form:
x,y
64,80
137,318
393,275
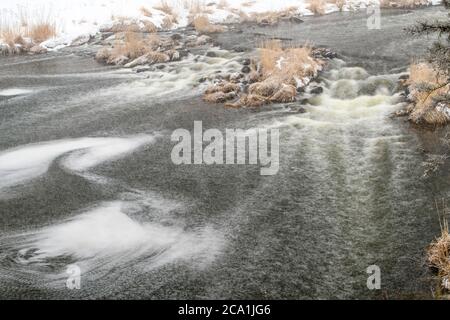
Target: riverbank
x,y
47,25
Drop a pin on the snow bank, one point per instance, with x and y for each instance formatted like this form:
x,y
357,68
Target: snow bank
x,y
75,18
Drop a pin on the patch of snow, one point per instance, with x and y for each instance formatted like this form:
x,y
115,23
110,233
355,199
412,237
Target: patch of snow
x,y
279,63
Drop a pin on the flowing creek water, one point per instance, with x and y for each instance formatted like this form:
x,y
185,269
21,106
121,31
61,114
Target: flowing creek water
x,y
87,179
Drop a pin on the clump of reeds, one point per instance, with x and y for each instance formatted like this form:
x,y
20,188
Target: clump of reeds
x,y
203,25
438,253
317,6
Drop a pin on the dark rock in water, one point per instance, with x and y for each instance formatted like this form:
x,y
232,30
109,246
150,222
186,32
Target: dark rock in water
x,y
404,77
316,90
238,49
304,101
160,66
294,108
143,69
183,53
246,69
406,91
330,55
176,36
319,80
300,89
295,20
246,62
211,54
202,79
106,35
324,53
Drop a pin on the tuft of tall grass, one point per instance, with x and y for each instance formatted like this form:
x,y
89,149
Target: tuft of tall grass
x,y
202,25
42,31
317,6
438,253
145,12
37,25
164,7
134,45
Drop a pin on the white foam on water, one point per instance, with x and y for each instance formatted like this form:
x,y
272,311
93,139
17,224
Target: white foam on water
x,y
177,79
25,163
113,148
14,92
107,235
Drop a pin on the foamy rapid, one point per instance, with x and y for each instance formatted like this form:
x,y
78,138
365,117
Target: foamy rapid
x,y
177,79
24,163
351,99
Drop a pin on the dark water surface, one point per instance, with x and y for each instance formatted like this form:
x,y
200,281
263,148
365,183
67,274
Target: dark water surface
x,y
87,178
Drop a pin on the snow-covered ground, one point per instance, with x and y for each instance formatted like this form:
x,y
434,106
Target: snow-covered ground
x,y
80,17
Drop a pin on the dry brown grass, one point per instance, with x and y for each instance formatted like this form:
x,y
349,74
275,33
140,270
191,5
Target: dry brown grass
x,y
339,3
145,12
267,17
425,85
202,25
194,7
286,63
280,68
197,9
39,28
317,6
42,31
133,46
274,78
168,22
164,7
438,253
